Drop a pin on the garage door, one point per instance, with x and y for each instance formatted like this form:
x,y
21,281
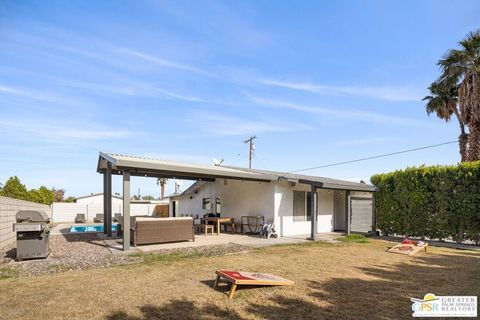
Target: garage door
x,y
361,214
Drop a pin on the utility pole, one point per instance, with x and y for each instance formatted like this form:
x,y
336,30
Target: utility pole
x,y
251,149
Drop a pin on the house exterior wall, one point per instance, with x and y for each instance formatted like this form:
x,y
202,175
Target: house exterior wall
x,y
272,200
283,204
361,194
191,204
238,198
286,224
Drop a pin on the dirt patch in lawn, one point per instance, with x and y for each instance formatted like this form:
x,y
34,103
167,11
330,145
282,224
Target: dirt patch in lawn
x,y
332,281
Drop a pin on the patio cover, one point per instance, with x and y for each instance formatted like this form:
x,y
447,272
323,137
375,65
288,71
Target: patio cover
x,y
148,167
117,164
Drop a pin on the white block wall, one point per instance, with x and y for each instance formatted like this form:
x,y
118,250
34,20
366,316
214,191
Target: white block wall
x,y
66,212
8,209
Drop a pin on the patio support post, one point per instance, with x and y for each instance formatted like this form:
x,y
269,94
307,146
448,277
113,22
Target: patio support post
x,y
109,201
313,205
347,212
126,210
105,204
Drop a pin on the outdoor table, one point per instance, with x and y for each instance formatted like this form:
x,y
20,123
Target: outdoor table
x,y
249,279
217,220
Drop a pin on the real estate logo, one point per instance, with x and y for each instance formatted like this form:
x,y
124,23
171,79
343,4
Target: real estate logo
x,y
444,306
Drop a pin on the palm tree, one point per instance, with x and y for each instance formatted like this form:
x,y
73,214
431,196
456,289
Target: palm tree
x,y
463,67
162,182
444,103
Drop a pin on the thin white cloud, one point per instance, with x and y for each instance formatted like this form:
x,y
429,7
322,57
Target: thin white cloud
x,y
336,113
222,125
365,141
53,131
375,92
163,62
28,93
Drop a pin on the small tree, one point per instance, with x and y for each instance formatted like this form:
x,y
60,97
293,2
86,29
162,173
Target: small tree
x,y
59,194
162,182
70,199
41,195
14,188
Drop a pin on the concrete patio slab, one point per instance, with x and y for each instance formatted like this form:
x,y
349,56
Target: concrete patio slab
x,y
254,241
115,243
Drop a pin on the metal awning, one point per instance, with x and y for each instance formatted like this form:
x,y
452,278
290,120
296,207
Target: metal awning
x,y
148,167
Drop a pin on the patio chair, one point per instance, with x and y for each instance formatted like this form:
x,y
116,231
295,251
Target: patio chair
x,y
117,217
197,223
98,218
80,218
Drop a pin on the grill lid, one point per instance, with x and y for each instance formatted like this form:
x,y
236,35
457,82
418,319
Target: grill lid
x,y
32,216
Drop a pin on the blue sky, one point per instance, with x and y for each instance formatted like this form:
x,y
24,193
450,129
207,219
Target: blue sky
x,y
317,82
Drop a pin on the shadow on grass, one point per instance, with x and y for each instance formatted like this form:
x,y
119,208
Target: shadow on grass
x,y
224,287
386,295
383,292
178,309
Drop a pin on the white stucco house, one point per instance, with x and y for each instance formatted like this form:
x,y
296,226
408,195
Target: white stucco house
x,y
296,204
284,199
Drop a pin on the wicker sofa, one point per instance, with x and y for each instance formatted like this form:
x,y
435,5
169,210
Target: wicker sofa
x,y
148,230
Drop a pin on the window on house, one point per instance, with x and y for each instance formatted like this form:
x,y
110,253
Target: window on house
x,y
298,205
309,206
206,203
302,206
218,203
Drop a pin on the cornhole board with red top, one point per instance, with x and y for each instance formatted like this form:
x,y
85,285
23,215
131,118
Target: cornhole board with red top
x,y
407,248
249,279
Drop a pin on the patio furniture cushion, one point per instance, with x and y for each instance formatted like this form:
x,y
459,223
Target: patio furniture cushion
x,y
149,230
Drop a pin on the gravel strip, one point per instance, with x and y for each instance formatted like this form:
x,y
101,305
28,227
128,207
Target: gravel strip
x,y
82,251
67,252
207,251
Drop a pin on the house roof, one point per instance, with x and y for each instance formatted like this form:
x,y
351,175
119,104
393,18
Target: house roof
x,y
141,166
94,195
327,183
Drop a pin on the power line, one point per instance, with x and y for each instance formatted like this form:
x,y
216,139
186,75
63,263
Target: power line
x,y
377,156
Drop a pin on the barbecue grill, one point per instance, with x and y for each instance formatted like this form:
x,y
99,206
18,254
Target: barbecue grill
x,y
33,231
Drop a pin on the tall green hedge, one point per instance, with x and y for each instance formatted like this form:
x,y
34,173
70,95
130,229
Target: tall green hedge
x,y
437,202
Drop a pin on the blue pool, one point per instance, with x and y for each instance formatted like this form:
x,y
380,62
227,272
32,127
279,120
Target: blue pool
x,y
91,228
